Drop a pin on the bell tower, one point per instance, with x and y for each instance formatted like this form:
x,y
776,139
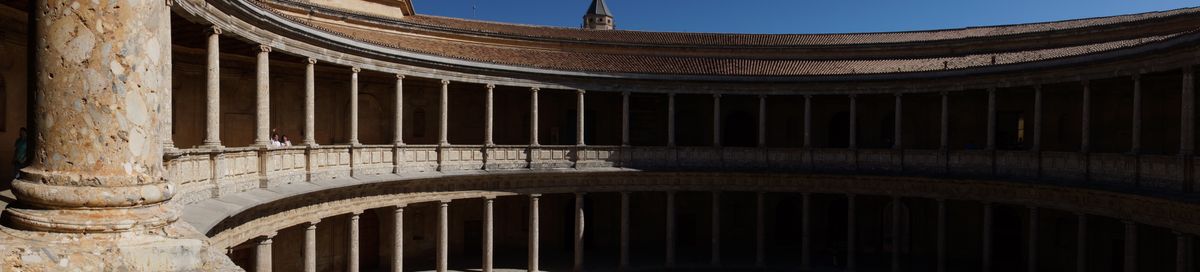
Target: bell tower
x,y
598,17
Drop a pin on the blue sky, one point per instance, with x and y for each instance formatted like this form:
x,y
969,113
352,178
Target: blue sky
x,y
793,16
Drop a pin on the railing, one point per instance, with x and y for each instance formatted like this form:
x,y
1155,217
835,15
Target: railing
x,y
202,174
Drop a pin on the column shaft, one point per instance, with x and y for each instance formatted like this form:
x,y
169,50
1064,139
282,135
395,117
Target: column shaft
x,y
1183,254
853,122
896,205
624,244
212,109
1131,264
352,258
805,232
759,231
578,235
533,232
1032,252
353,131
398,239
944,143
1187,123
166,131
398,118
443,239
716,121
851,233
715,255
625,118
671,119
533,116
762,121
987,237
941,235
488,236
991,119
263,98
488,117
310,102
310,247
1037,118
444,116
670,228
897,142
579,120
1136,147
1085,142
807,121
262,254
1081,247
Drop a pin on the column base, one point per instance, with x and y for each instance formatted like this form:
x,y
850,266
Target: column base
x,y
212,145
176,247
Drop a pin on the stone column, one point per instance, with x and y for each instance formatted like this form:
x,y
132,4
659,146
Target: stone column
x,y
897,142
166,131
716,230
1033,240
97,163
262,254
760,249
533,116
444,116
354,105
443,238
310,246
805,232
896,232
488,225
263,98
488,117
1085,142
212,109
352,257
1130,246
398,134
670,229
398,238
716,120
624,244
991,119
853,122
851,231
1081,247
987,237
625,118
941,235
762,121
1187,127
533,231
1183,254
944,143
1037,118
807,121
1137,114
310,102
579,125
671,119
578,235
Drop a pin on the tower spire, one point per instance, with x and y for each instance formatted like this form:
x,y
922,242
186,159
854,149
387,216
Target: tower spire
x,y
598,16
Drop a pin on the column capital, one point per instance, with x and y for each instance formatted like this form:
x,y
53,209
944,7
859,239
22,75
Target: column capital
x,y
535,89
266,237
991,90
1037,87
1137,75
898,94
399,76
355,69
400,206
444,202
807,96
853,96
671,94
762,96
1085,82
535,195
716,95
580,91
213,30
313,224
625,93
264,48
445,82
489,198
1187,68
491,86
356,213
311,61
944,93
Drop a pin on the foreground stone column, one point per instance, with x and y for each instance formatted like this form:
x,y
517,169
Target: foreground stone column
x,y
443,238
578,235
310,102
1130,246
671,119
991,119
1085,140
533,116
1081,247
488,224
398,239
851,232
625,118
352,252
354,106
262,254
310,247
488,117
715,255
716,121
670,229
212,109
533,232
579,124
263,98
1187,123
1033,240
398,134
624,263
1136,147
444,117
987,237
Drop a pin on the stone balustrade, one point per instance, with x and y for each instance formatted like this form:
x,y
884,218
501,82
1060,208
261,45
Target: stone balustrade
x,y
203,173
